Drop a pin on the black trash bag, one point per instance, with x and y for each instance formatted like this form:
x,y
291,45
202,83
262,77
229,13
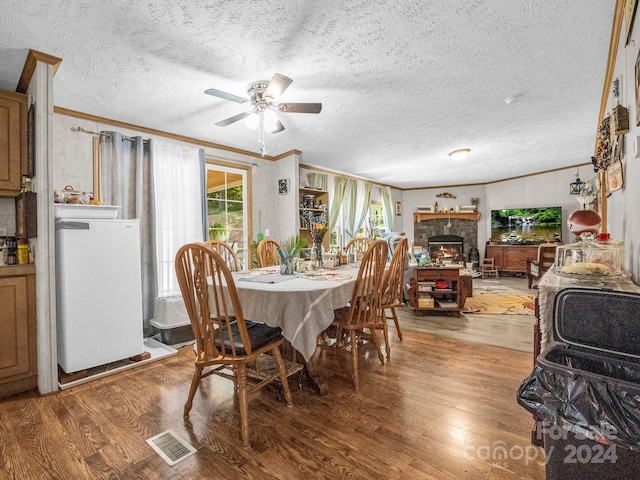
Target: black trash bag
x,y
594,395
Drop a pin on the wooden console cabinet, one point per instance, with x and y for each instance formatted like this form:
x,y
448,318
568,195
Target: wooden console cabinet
x,y
511,258
18,361
426,295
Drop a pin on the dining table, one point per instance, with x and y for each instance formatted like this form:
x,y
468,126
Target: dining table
x,y
302,305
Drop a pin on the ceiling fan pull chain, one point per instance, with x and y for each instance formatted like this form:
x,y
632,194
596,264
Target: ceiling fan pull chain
x,y
263,149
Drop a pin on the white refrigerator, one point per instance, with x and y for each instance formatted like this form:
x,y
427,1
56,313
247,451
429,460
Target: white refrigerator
x,y
98,292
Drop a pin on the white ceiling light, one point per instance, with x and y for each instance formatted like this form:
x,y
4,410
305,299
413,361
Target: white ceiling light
x,y
270,120
460,154
252,121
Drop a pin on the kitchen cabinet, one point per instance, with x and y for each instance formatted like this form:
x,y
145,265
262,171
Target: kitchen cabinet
x,y
13,142
313,207
18,360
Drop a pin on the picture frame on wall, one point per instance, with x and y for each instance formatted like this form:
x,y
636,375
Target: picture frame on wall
x,y
398,208
283,186
614,177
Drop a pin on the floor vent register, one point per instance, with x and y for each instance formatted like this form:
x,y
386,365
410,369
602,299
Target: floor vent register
x,y
171,447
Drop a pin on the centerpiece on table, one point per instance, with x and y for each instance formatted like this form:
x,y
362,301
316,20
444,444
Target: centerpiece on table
x,y
290,248
317,229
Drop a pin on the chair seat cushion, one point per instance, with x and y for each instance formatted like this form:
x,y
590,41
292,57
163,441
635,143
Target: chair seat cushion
x,y
260,334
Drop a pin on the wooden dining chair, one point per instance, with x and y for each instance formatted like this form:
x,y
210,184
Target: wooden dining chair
x,y
267,252
363,311
488,268
392,290
537,267
357,246
226,252
225,341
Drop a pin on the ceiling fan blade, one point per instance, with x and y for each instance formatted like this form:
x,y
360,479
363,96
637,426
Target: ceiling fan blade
x,y
234,119
300,107
279,127
225,95
278,84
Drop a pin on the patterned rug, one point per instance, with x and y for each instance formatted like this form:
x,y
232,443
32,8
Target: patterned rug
x,y
499,300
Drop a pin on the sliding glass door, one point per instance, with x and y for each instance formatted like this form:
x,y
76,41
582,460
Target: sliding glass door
x,y
227,208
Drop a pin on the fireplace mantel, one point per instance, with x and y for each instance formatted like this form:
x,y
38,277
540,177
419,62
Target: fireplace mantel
x,y
419,217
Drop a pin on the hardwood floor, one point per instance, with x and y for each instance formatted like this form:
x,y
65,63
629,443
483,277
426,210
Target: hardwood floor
x,y
508,331
439,410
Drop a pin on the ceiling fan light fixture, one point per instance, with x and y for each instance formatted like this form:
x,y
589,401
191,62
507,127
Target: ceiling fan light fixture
x,y
252,121
270,120
460,154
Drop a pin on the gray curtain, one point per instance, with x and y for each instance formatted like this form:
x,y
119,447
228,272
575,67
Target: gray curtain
x,y
127,181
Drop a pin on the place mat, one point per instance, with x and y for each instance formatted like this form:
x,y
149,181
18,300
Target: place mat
x,y
255,273
269,278
326,276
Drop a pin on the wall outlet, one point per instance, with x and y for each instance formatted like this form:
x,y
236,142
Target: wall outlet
x,y
266,232
3,232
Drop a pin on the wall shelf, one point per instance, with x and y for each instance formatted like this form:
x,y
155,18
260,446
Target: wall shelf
x,y
419,217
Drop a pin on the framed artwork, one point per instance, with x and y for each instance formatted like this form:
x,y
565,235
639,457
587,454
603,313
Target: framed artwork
x,y
283,186
398,208
31,141
629,14
614,177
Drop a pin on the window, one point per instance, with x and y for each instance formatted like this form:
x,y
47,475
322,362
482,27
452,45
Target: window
x,y
227,208
372,227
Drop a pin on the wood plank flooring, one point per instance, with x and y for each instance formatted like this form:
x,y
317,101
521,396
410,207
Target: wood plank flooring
x,y
507,331
439,410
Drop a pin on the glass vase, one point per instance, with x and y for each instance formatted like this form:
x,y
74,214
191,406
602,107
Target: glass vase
x,y
286,266
317,251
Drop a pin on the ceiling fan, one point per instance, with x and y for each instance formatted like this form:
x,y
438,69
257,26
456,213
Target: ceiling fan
x,y
262,97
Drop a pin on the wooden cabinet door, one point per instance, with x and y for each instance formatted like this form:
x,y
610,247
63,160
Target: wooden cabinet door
x,y
15,358
497,252
13,139
516,257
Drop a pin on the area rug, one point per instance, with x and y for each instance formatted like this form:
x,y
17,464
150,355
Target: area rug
x,y
499,300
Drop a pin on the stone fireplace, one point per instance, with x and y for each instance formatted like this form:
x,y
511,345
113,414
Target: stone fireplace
x,y
460,228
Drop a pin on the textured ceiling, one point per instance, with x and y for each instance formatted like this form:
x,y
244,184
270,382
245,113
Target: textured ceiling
x,y
402,82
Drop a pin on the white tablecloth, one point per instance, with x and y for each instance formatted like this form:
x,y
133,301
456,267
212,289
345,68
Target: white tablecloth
x,y
301,307
551,283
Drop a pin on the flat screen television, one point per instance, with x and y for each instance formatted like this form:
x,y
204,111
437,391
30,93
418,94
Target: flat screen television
x,y
526,225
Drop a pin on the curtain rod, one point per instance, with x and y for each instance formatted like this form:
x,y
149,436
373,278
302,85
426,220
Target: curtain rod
x,y
101,134
89,132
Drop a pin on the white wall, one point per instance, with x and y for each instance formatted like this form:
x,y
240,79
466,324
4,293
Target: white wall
x,y
73,165
622,214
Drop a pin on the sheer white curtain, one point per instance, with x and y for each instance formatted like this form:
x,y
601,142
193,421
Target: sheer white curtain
x,y
339,186
350,202
179,212
387,208
358,204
